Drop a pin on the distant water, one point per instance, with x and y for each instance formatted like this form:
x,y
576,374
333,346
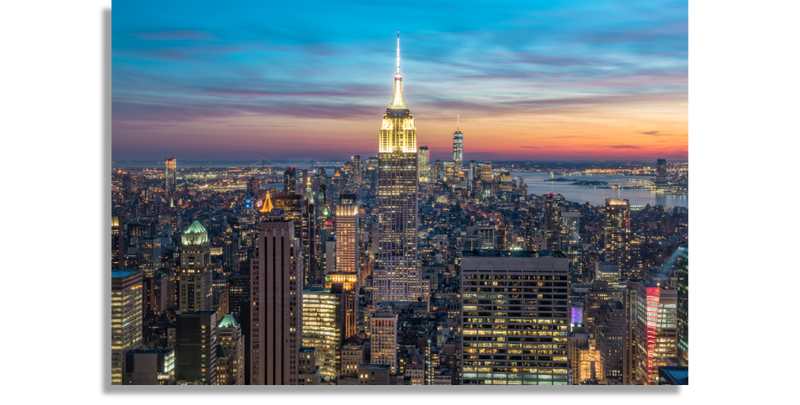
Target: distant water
x,y
597,196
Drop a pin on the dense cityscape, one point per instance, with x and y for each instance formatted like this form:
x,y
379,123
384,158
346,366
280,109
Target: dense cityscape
x,y
397,270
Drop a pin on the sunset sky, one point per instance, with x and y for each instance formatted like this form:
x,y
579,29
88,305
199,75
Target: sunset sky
x,y
532,80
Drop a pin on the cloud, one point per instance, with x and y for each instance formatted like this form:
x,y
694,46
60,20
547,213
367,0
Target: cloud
x,y
624,147
530,147
175,35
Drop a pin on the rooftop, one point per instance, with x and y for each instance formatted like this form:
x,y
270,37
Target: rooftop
x,y
122,273
511,253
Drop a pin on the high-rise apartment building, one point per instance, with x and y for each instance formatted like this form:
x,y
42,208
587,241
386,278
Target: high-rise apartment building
x,y
630,303
196,347
195,274
662,184
383,338
231,339
656,330
617,233
347,254
276,286
117,245
424,165
516,316
396,275
290,180
329,318
126,318
682,277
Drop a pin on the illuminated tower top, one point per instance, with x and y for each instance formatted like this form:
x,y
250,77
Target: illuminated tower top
x,y
397,98
458,144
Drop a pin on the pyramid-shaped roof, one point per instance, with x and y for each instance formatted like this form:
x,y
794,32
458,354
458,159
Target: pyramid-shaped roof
x,y
267,203
196,227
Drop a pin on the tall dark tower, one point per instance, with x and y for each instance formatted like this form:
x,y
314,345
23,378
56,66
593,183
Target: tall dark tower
x,y
396,275
290,181
661,175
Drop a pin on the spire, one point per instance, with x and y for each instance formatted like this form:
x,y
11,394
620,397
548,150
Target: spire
x,y
397,98
267,204
458,122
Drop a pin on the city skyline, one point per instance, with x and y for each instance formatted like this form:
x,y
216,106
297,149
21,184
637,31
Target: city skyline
x,y
553,83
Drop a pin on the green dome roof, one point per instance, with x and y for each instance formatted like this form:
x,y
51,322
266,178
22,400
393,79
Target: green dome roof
x,y
196,227
227,322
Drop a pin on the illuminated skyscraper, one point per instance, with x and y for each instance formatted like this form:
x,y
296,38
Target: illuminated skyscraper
x,y
328,319
617,232
170,176
424,164
347,239
117,245
396,275
656,330
458,146
196,347
516,315
276,286
552,222
383,337
290,180
230,338
194,274
682,276
661,175
126,318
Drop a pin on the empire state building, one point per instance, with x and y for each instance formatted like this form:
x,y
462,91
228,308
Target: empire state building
x,y
396,275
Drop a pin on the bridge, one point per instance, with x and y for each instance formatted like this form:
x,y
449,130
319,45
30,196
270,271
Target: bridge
x,y
264,163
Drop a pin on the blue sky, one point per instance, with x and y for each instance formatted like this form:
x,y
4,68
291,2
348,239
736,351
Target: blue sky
x,y
536,80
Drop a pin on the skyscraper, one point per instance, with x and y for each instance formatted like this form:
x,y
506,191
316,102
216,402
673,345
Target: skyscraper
x,y
290,180
383,336
396,274
230,338
347,239
661,175
552,222
276,286
424,164
328,319
196,347
656,330
194,274
682,276
126,317
617,232
458,145
515,312
117,245
170,176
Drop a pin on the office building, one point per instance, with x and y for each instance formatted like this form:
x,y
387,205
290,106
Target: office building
x,y
231,339
656,330
150,255
682,285
117,245
148,367
196,347
329,317
611,341
347,252
515,317
126,318
606,271
396,274
290,181
276,286
662,184
195,274
383,338
618,233
458,146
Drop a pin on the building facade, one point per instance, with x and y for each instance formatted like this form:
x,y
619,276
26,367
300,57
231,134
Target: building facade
x,y
126,318
515,317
